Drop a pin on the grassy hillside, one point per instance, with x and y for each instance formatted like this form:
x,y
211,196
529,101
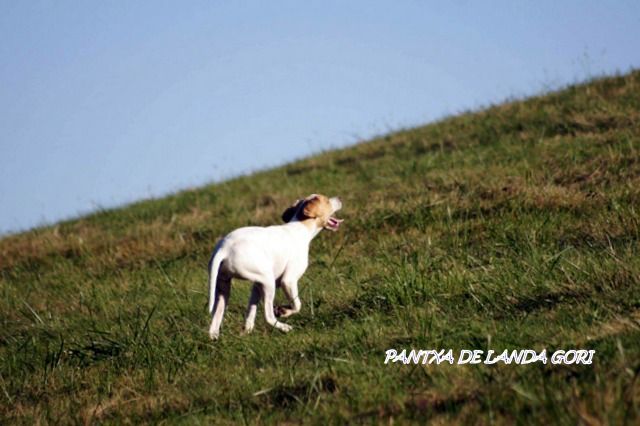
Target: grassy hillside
x,y
514,227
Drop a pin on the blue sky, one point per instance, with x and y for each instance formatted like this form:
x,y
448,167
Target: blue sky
x,y
104,103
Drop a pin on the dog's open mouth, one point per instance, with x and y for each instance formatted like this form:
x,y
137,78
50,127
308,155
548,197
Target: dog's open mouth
x,y
333,223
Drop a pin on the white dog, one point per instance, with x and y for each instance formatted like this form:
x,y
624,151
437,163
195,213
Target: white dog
x,y
268,256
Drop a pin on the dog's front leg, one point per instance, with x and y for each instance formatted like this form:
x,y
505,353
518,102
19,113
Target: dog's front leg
x,y
252,309
269,292
290,289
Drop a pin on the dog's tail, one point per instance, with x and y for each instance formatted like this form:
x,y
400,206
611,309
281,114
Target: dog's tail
x,y
214,265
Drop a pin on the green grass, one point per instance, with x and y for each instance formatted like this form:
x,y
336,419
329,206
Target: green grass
x,y
513,227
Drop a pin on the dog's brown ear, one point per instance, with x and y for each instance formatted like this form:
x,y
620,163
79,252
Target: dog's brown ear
x,y
288,214
310,209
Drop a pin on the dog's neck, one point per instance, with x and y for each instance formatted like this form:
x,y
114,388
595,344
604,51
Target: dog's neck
x,y
309,228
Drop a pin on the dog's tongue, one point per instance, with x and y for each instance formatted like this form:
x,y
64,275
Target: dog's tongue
x,y
334,223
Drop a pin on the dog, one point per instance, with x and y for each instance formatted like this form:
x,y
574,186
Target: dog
x,y
270,257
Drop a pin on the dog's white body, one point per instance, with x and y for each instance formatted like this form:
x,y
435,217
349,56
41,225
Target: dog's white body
x,y
269,257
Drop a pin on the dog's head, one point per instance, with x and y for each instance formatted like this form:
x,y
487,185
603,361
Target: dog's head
x,y
316,208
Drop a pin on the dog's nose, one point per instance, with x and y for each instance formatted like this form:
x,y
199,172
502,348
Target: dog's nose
x,y
336,202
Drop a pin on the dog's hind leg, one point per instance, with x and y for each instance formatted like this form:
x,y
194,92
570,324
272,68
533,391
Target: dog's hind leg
x,y
252,309
223,291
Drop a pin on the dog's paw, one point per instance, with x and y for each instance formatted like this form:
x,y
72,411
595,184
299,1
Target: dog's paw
x,y
214,336
284,327
281,311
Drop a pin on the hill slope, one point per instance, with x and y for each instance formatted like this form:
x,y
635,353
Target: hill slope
x,y
514,227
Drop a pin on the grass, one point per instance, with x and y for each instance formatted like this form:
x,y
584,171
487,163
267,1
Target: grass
x,y
513,227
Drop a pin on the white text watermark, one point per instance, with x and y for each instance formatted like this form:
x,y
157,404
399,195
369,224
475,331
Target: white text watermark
x,y
477,356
